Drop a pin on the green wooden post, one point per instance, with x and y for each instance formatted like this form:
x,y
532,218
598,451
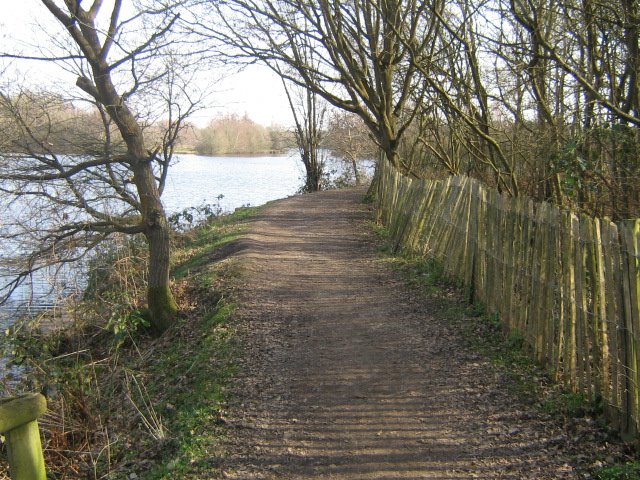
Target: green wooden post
x,y
18,423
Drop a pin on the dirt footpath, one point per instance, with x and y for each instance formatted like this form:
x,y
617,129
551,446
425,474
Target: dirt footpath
x,y
346,376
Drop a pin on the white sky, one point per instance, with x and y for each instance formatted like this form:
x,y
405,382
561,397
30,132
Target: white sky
x,y
255,91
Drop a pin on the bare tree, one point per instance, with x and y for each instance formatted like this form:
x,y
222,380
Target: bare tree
x,y
532,96
130,76
591,99
457,95
361,54
309,114
604,58
348,139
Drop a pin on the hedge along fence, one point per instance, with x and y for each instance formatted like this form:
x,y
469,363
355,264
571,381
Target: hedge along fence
x,y
569,284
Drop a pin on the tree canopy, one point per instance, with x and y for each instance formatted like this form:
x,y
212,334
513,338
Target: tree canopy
x,y
537,97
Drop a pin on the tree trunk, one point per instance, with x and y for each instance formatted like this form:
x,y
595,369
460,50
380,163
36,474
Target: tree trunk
x,y
81,26
162,306
313,170
356,172
160,301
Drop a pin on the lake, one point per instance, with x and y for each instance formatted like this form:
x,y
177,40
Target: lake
x,y
193,181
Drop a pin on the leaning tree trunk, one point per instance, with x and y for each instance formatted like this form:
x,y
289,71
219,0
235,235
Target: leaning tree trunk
x,y
160,301
162,306
153,224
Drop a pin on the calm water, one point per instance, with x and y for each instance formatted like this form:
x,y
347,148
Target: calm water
x,y
193,181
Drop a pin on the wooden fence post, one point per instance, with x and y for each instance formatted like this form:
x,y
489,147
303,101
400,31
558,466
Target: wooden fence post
x,y
569,283
18,423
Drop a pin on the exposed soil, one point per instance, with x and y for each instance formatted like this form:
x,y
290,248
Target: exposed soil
x,y
346,375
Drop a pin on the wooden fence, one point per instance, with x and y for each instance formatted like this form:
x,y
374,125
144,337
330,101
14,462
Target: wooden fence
x,y
568,283
19,425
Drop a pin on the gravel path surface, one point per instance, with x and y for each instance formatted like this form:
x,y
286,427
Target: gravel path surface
x,y
347,376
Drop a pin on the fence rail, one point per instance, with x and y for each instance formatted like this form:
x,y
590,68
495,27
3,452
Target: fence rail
x,y
19,425
568,283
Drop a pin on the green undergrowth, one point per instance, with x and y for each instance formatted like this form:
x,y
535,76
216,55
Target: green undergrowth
x,y
125,404
624,471
189,384
196,247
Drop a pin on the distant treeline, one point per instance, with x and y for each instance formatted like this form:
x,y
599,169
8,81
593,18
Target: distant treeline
x,y
233,134
50,124
37,122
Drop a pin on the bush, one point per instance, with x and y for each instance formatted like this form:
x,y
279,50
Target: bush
x,y
192,216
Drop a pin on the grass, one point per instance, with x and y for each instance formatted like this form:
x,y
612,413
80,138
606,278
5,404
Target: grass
x,y
190,378
625,471
195,247
127,402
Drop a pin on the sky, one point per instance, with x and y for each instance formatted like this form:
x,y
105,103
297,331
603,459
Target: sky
x,y
256,91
